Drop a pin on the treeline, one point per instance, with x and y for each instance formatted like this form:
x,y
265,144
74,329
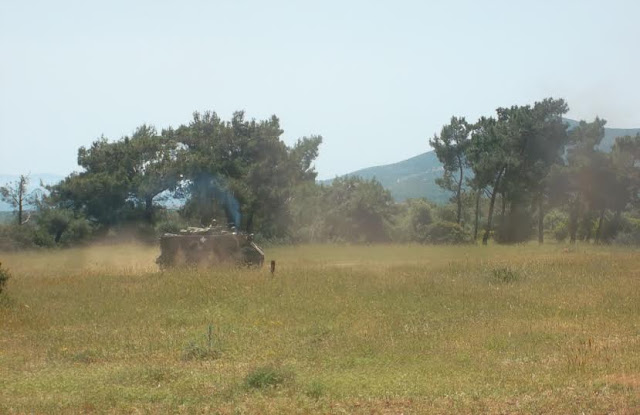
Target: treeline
x,y
526,161
511,176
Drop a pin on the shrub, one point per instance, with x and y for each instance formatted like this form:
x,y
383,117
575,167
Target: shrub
x,y
15,237
516,226
420,217
627,238
59,226
446,233
267,376
4,277
561,233
170,222
447,213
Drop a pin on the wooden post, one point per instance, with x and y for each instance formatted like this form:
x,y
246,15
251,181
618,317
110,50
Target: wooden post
x,y
273,266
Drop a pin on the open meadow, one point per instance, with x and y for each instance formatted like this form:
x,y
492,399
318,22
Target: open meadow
x,y
337,329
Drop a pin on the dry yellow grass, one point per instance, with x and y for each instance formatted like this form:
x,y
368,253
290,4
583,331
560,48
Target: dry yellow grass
x,y
339,329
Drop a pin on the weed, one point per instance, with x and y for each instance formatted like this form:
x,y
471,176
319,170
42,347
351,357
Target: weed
x,y
504,275
267,376
194,351
315,390
587,354
84,356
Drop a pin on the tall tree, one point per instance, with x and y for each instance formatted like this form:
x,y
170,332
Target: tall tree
x,y
583,156
249,162
488,156
542,150
512,156
152,166
357,210
120,176
451,148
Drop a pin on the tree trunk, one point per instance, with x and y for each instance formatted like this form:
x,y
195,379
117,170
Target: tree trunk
x,y
22,188
492,203
587,237
148,208
599,230
459,194
503,201
616,222
249,222
573,222
20,210
540,220
475,225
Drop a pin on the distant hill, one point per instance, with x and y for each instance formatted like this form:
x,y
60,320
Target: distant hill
x,y
415,177
409,179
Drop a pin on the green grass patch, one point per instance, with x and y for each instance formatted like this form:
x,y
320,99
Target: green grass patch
x,y
268,376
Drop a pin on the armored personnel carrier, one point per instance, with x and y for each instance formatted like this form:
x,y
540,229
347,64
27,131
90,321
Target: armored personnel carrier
x,y
209,246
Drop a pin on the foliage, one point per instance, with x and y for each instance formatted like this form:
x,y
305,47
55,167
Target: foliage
x,y
119,177
630,231
15,237
561,233
451,149
243,170
505,173
170,221
420,217
63,227
357,210
446,233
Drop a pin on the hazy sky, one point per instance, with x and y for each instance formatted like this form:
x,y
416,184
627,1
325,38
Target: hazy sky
x,y
375,78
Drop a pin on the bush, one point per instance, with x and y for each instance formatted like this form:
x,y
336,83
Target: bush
x,y
14,237
447,213
59,226
4,277
170,222
561,233
420,217
446,233
516,226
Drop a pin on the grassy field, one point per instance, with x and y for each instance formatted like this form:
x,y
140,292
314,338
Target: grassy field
x,y
338,329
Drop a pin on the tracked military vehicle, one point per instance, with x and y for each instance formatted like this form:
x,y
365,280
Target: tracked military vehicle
x,y
208,247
